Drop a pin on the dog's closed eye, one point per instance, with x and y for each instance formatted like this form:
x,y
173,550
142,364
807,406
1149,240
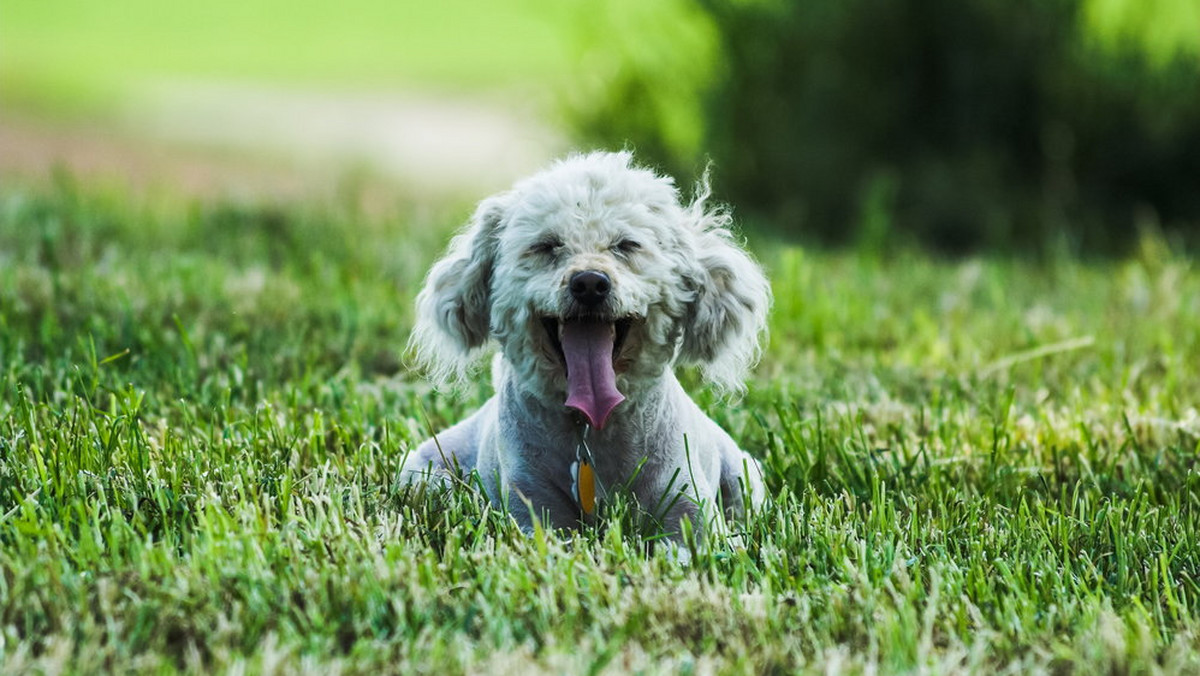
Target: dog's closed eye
x,y
626,246
545,247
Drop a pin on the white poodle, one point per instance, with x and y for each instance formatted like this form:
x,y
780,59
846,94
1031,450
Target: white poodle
x,y
595,281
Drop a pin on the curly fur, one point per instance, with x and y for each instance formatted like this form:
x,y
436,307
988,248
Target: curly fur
x,y
695,298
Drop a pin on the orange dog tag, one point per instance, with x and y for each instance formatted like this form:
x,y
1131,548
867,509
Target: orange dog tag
x,y
585,482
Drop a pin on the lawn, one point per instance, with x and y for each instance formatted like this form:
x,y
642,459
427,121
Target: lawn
x,y
79,52
80,57
977,465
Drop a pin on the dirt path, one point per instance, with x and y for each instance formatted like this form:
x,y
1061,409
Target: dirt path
x,y
242,142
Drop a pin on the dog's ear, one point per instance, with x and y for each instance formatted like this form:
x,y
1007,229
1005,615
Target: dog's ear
x,y
730,298
454,307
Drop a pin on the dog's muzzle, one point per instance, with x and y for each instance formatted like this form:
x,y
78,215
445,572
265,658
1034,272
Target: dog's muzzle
x,y
589,340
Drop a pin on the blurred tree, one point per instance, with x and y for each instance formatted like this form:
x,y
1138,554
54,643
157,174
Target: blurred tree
x,y
1164,29
970,122
646,93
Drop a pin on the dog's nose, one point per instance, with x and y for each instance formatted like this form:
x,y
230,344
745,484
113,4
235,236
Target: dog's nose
x,y
590,287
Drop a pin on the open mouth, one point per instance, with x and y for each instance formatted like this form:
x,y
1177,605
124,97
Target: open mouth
x,y
554,330
588,347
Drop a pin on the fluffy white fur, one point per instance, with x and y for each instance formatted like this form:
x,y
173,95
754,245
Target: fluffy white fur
x,y
689,293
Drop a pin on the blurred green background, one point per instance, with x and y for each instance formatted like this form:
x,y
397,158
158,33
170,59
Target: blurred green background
x,y
83,54
1011,124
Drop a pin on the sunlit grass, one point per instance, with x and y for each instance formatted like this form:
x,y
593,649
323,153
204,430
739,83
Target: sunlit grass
x,y
85,54
983,464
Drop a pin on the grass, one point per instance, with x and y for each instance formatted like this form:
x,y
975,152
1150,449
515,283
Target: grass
x,y
81,58
977,465
80,53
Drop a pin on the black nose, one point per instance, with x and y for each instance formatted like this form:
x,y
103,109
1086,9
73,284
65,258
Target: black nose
x,y
590,288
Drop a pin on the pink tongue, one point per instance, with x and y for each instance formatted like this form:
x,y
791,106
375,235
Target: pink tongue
x,y
591,381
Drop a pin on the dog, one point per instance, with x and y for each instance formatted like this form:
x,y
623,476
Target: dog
x,y
595,280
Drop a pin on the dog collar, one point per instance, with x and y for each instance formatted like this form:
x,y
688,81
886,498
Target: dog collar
x,y
585,487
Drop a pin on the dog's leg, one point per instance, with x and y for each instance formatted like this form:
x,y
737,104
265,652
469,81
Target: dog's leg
x,y
454,449
531,500
741,486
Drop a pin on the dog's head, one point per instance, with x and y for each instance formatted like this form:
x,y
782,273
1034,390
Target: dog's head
x,y
594,279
